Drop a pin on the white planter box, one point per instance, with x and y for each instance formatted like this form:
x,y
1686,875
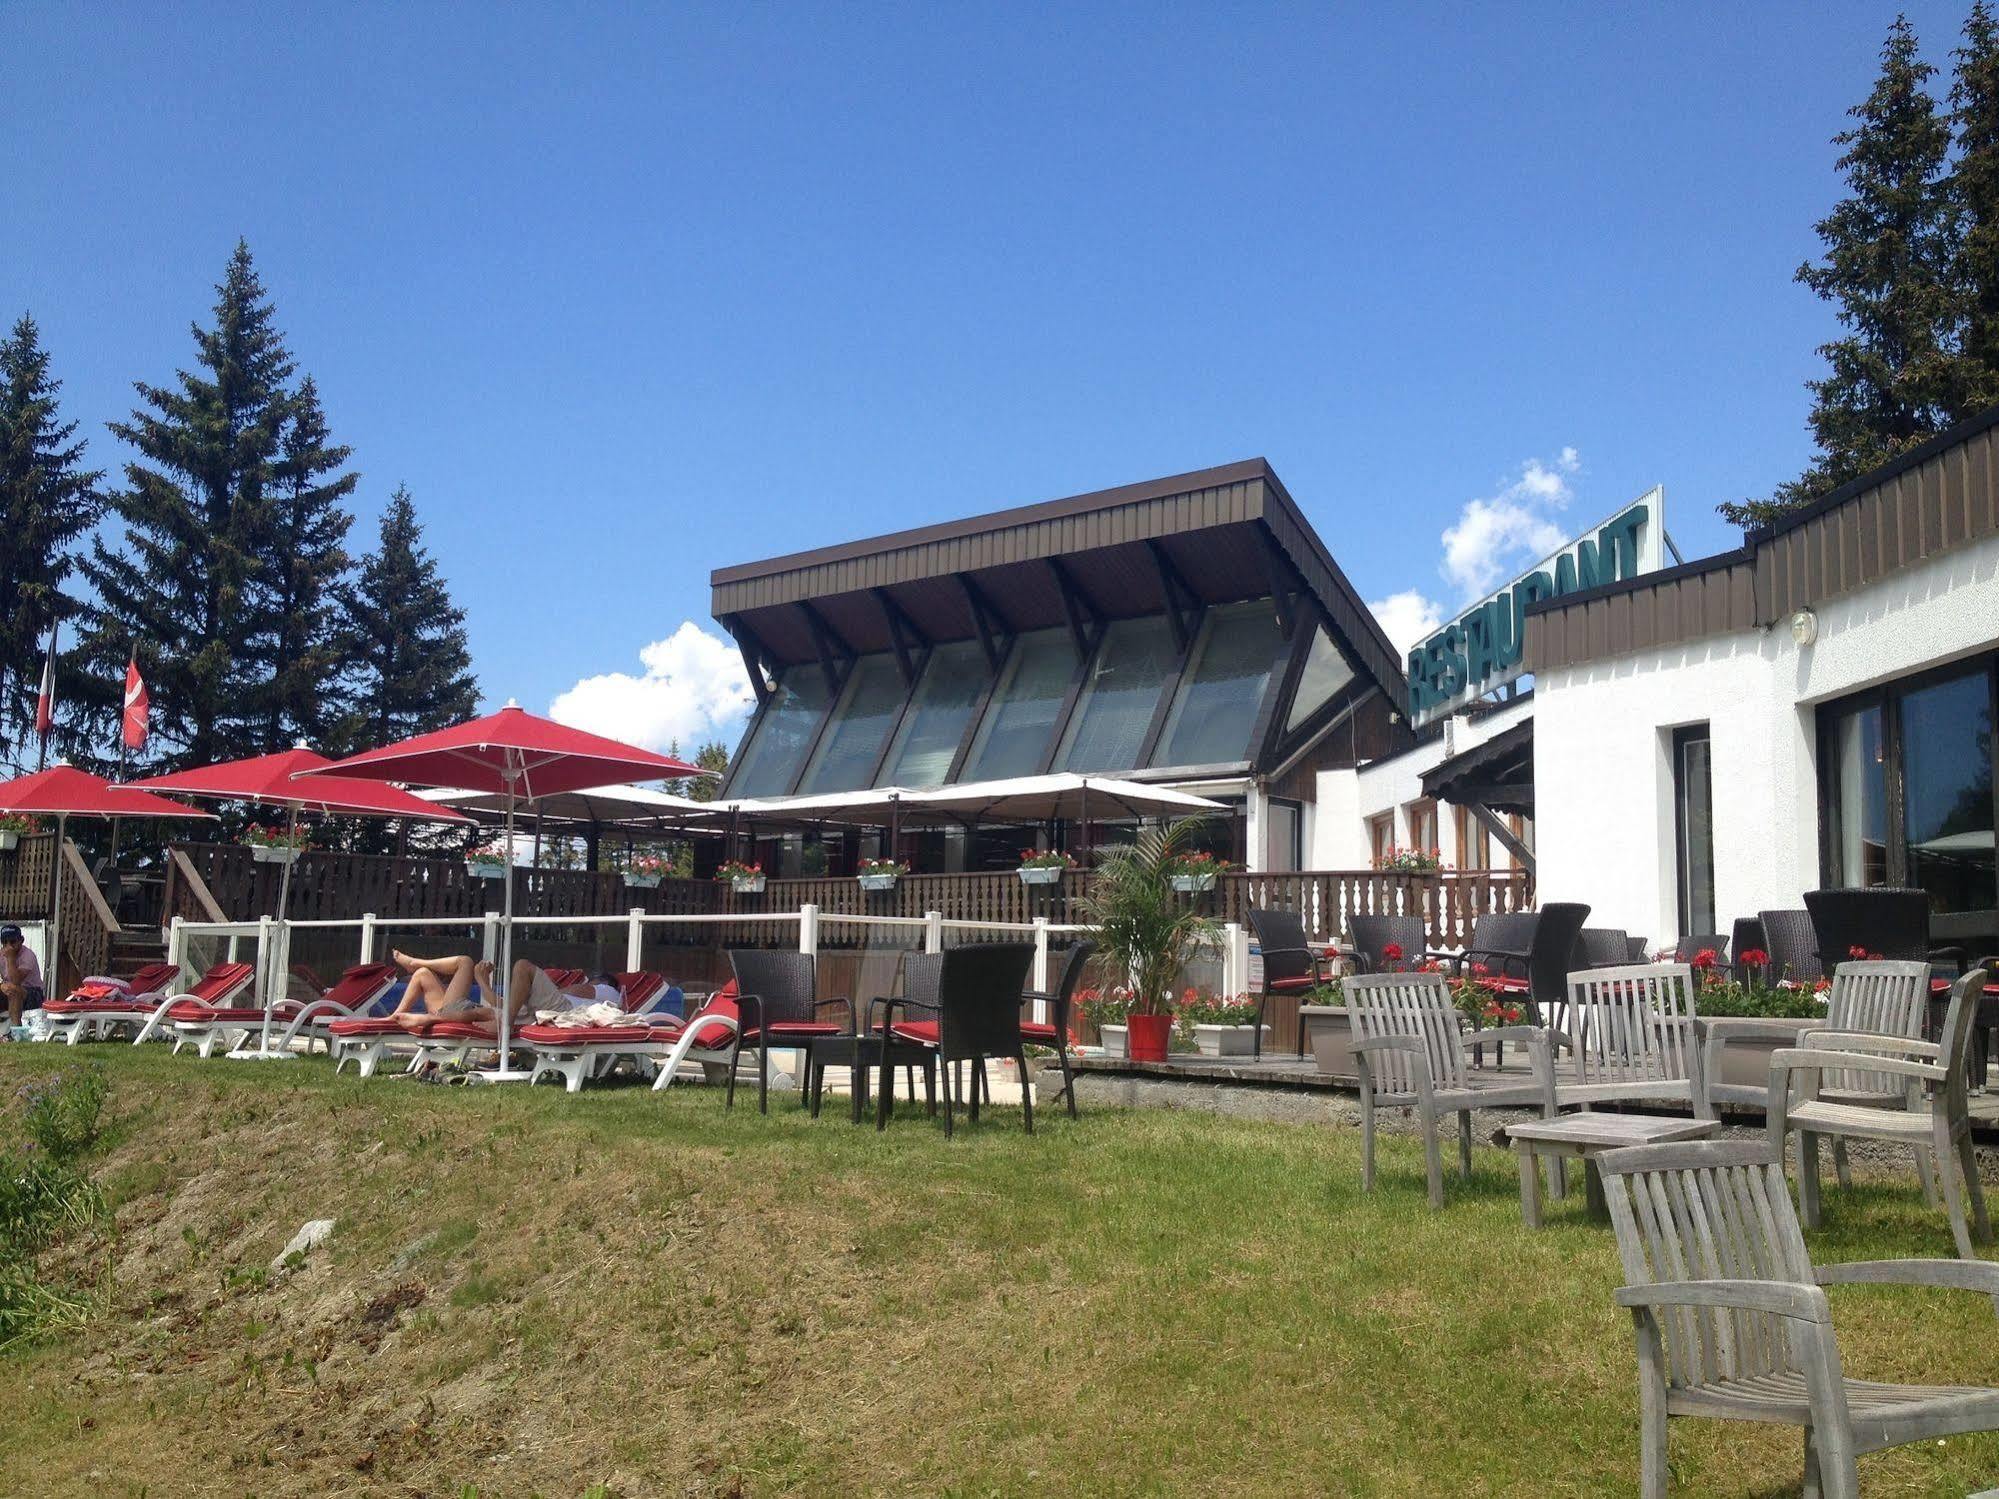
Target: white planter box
x,y
1047,876
272,854
486,871
1188,883
9,841
753,885
878,881
643,881
1113,1038
1228,1040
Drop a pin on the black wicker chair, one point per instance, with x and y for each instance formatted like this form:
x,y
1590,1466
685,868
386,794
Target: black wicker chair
x,y
978,1016
1558,930
1604,947
1793,944
1290,965
777,1000
1889,921
1500,943
1374,935
1055,1031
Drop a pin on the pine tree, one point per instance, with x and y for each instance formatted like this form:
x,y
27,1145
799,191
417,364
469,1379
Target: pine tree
x,y
196,530
296,642
714,755
1887,267
405,638
1974,191
48,501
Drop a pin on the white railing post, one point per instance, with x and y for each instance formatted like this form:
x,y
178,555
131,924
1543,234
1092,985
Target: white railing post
x,y
808,930
933,931
1041,968
489,945
265,952
367,937
1235,959
176,948
635,940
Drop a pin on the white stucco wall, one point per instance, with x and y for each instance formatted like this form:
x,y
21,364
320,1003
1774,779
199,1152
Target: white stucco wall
x,y
1347,798
1603,781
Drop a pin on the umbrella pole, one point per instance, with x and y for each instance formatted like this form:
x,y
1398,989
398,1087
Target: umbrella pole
x,y
283,934
505,975
53,978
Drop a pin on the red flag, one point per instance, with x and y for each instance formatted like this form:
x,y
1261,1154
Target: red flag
x,y
45,705
138,706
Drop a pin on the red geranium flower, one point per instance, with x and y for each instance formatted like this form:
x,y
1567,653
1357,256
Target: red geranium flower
x,y
1392,952
1856,952
1705,958
1754,957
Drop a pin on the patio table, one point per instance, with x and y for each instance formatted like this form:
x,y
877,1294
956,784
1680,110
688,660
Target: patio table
x,y
1583,1135
860,1053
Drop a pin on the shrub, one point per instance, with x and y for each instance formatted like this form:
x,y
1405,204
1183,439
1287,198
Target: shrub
x,y
44,1192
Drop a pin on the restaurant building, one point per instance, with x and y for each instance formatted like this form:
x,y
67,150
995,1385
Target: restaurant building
x,y
1191,631
1812,709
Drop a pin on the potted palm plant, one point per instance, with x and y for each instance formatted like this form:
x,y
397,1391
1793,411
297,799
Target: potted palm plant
x,y
1144,933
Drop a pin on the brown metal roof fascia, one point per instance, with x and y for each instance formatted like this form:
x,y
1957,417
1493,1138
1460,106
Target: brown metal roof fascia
x,y
1352,621
995,521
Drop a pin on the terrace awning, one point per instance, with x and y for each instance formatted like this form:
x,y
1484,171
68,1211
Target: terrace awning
x,y
605,805
1017,799
1498,773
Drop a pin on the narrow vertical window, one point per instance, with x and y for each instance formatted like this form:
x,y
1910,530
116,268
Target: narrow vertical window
x,y
1693,801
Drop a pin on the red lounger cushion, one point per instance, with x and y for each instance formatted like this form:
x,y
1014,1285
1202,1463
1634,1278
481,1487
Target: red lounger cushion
x,y
459,1030
1301,981
924,1031
366,1025
575,1035
225,1014
1503,983
110,1005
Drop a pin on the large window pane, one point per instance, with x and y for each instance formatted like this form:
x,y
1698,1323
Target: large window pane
x,y
783,732
945,697
1693,790
1326,672
1216,707
854,738
1859,809
1947,792
1021,720
1108,729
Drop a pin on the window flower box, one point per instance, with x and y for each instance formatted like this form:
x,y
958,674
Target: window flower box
x,y
1191,884
878,881
1043,866
274,853
274,845
642,881
1192,873
1228,1040
880,874
9,840
744,879
486,869
749,884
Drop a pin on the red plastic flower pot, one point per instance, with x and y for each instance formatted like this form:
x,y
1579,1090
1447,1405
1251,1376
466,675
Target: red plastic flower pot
x,y
1146,1038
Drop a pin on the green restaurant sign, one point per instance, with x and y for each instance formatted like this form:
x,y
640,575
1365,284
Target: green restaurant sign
x,y
1481,649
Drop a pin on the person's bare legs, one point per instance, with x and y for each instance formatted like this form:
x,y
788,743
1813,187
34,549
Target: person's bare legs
x,y
440,998
17,995
445,965
422,988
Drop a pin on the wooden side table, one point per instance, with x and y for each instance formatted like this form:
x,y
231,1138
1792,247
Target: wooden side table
x,y
1582,1136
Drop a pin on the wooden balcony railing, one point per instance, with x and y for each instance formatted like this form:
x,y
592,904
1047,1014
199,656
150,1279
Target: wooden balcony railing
x,y
328,885
88,924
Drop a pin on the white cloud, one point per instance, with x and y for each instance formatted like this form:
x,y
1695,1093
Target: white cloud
x,y
692,688
1494,537
1408,617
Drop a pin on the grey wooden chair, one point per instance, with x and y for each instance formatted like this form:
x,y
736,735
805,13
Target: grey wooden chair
x,y
1937,1122
1885,998
1411,1053
1733,1325
1627,1034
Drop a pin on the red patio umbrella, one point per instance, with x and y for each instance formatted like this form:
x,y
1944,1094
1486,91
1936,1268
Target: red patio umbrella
x,y
518,755
272,780
63,792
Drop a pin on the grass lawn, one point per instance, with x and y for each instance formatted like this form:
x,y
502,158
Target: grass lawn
x,y
534,1293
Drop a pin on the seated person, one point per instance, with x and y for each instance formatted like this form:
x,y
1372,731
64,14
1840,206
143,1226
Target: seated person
x,y
20,974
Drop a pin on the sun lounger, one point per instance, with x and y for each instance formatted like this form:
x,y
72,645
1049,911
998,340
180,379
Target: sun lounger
x,y
661,1042
214,996
99,1007
360,988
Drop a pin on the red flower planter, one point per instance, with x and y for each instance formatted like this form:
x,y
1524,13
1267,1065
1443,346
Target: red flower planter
x,y
1146,1038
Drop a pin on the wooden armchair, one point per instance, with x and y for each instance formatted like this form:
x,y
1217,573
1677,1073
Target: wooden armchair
x,y
1732,1323
1412,1053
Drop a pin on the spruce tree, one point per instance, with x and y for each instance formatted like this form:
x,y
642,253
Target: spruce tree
x,y
48,501
1887,267
404,638
196,531
1974,191
296,642
714,755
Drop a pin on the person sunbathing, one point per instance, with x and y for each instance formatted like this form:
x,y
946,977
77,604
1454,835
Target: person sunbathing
x,y
441,989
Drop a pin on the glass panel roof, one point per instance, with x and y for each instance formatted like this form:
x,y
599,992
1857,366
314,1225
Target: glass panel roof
x,y
1108,728
1222,687
1013,738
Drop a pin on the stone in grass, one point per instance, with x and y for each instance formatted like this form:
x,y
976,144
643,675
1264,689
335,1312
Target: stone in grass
x,y
315,1233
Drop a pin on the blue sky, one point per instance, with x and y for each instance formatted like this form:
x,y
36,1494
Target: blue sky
x,y
627,293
